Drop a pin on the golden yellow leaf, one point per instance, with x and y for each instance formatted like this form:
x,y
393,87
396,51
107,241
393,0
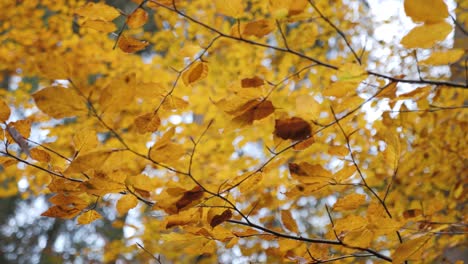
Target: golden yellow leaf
x,y
63,199
98,11
350,222
137,19
410,249
279,8
197,71
85,140
60,102
297,6
92,160
344,173
54,66
427,11
287,244
304,144
307,106
258,28
340,89
39,155
427,35
288,221
310,174
443,57
294,128
359,238
88,217
101,185
125,203
4,111
338,150
130,44
349,202
393,151
100,25
185,217
232,8
174,103
59,211
389,91
352,72
252,182
148,122
7,161
382,225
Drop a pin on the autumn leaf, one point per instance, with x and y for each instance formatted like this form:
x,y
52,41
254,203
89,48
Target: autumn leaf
x,y
64,212
125,203
137,19
60,102
100,25
288,221
130,44
443,57
349,202
294,128
410,249
39,155
427,35
220,218
4,111
148,122
252,82
197,71
98,11
88,217
85,162
232,8
258,28
431,11
190,197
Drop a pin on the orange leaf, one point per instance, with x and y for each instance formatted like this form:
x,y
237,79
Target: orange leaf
x,y
148,122
288,221
4,111
197,71
88,217
125,203
130,44
258,28
58,211
294,128
40,155
137,19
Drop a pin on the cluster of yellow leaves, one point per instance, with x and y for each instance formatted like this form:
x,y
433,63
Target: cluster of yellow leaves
x,y
129,131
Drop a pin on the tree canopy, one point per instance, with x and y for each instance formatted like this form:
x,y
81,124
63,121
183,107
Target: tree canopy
x,y
251,130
